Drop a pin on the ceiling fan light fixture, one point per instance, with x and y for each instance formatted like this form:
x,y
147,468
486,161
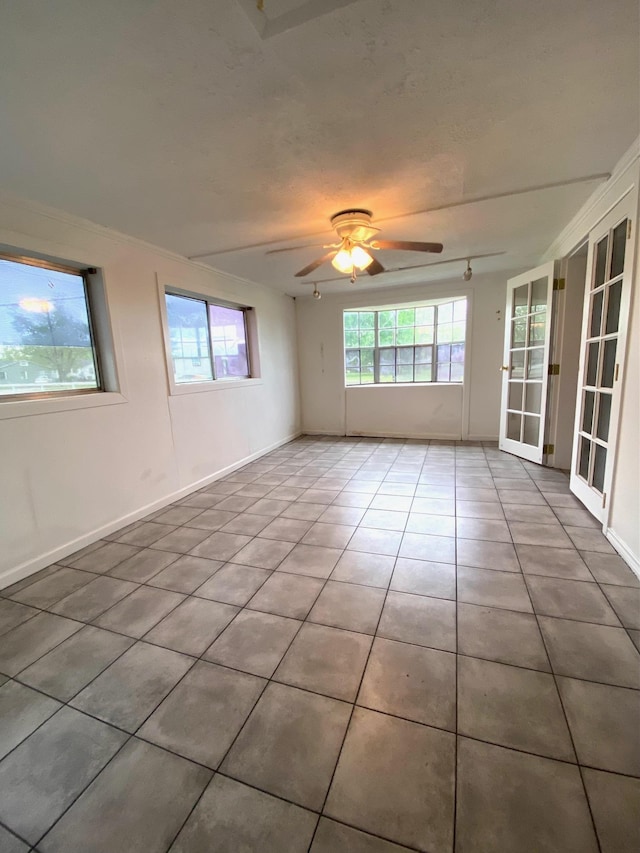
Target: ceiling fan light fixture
x,y
466,275
343,261
360,257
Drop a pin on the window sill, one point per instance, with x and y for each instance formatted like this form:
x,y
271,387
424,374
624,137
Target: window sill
x,y
52,405
216,385
407,385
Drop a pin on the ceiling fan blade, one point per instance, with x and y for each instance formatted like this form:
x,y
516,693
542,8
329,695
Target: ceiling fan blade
x,y
292,249
315,264
375,267
407,245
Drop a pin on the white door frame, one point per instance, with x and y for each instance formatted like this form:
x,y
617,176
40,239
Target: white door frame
x,y
597,503
533,453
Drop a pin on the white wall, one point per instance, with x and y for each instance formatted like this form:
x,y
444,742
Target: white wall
x,y
623,523
436,411
68,477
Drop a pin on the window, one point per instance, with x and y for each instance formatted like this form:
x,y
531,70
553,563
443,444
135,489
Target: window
x,y
208,340
46,336
423,343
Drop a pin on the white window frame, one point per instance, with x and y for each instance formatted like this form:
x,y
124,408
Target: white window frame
x,y
253,350
106,348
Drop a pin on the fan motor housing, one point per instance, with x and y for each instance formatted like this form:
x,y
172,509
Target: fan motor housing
x,y
354,223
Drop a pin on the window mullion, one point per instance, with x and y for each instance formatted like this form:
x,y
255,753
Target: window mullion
x,y
434,351
210,341
376,352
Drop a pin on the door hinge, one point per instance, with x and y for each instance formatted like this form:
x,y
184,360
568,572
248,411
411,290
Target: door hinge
x,y
604,500
628,229
558,284
554,369
548,449
615,378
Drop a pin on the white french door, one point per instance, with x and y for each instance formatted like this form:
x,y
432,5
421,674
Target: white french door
x,y
602,347
525,365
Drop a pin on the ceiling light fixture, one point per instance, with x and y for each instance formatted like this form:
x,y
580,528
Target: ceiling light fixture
x,y
466,275
350,258
316,292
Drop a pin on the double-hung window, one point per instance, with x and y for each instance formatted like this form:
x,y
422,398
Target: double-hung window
x,y
407,343
208,340
47,344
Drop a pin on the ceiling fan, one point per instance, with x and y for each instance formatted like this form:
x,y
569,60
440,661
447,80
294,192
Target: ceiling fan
x,y
354,250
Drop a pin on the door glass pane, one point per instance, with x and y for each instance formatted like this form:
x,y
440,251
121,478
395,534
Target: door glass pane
x,y
599,464
587,411
531,430
608,363
592,364
539,294
535,363
618,249
514,423
537,326
613,307
519,333
533,398
521,300
601,262
515,396
583,460
517,364
596,313
604,416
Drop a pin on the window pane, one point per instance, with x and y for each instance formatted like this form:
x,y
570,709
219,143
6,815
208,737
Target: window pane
x,y
514,399
387,374
535,363
351,320
404,355
599,465
228,339
351,339
613,307
460,310
423,373
604,416
596,314
353,359
445,333
387,356
367,319
539,294
406,317
366,359
187,319
45,337
386,337
367,338
457,372
608,363
517,364
404,336
583,461
444,352
445,313
521,300
424,355
404,373
592,364
457,352
386,319
618,249
601,262
424,334
443,374
587,411
531,430
425,315
514,424
533,398
458,331
519,333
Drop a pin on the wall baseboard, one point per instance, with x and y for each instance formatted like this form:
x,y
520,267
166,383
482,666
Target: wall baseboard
x,y
625,552
436,436
34,565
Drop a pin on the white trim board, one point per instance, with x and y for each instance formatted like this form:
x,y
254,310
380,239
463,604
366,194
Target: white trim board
x,y
624,551
31,566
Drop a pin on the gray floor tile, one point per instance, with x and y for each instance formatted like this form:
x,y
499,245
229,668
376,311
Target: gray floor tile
x,y
44,593
325,660
106,557
553,562
349,606
514,496
508,800
530,533
570,599
587,539
605,724
186,574
269,506
478,509
433,525
390,789
181,540
424,578
69,667
139,612
143,565
499,556
246,524
10,844
491,530
221,546
626,603
192,626
129,690
287,595
212,519
610,568
421,546
433,506
311,560
177,515
145,533
22,710
591,652
231,817
384,519
615,805
328,535
200,718
375,541
10,590
471,493
62,756
576,517
13,614
419,619
27,642
513,707
290,744
93,599
362,568
501,635
285,529
526,512
138,804
635,637
304,511
263,553
254,642
493,589
332,837
233,584
412,682
349,515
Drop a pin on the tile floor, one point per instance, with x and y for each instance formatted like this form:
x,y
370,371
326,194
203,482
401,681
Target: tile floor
x,y
348,645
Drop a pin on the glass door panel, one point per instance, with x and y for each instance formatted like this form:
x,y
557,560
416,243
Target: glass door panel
x,y
526,354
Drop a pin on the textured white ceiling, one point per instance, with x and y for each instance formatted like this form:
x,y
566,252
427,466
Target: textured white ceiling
x,y
178,123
